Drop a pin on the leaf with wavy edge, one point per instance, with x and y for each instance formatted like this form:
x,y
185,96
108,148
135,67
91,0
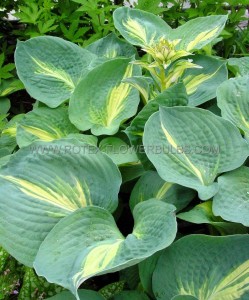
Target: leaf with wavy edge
x,y
203,31
96,246
139,27
191,146
51,67
201,83
145,29
101,101
46,182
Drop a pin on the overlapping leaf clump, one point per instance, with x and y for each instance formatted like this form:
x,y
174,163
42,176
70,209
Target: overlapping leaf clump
x,y
104,117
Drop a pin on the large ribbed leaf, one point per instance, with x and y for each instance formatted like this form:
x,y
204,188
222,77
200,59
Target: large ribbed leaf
x,y
101,102
151,185
96,246
111,46
51,67
45,182
45,124
232,199
145,29
203,30
139,27
191,146
203,214
233,100
201,83
204,267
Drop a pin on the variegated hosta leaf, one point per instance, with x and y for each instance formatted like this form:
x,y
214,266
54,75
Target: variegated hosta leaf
x,y
111,46
201,84
203,214
101,102
83,295
191,146
232,200
233,100
139,27
96,246
119,151
45,182
45,124
174,96
239,66
145,29
151,185
197,33
205,267
51,67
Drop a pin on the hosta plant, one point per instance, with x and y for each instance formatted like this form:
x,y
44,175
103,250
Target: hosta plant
x,y
120,118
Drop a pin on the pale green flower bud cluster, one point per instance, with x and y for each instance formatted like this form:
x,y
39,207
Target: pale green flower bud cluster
x,y
164,52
